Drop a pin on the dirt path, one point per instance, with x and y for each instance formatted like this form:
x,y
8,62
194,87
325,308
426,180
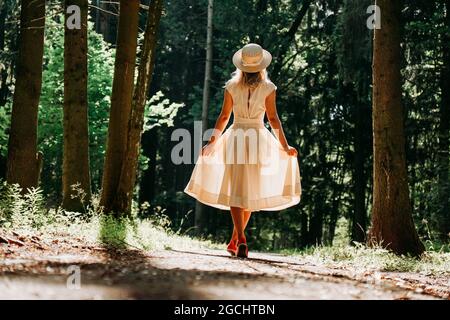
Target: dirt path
x,y
42,272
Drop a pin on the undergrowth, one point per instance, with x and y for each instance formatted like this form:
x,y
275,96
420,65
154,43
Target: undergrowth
x,y
27,213
359,257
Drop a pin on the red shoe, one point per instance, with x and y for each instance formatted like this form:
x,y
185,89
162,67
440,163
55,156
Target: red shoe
x,y
242,249
232,248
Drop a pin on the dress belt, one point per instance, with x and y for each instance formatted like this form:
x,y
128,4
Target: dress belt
x,y
257,121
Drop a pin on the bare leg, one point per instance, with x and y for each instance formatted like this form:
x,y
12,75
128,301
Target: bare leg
x,y
237,214
247,214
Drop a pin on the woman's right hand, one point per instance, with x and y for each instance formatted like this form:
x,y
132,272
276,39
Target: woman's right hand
x,y
207,149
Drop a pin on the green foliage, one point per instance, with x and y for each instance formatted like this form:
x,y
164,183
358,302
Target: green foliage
x,y
113,231
160,112
22,210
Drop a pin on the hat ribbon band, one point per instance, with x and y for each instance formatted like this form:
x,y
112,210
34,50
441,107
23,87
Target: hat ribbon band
x,y
252,64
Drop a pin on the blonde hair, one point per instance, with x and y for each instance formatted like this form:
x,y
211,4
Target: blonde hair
x,y
247,79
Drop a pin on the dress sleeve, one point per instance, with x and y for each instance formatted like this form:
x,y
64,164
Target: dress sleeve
x,y
270,87
229,86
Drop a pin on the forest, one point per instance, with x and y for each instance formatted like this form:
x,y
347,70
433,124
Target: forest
x,y
92,94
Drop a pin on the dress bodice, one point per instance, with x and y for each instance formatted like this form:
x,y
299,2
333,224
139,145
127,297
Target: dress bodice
x,y
249,104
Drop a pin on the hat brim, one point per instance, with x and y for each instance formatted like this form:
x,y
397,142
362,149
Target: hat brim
x,y
265,62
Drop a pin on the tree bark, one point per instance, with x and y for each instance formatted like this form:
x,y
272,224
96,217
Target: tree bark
x,y
23,161
392,223
105,19
444,134
359,179
124,193
200,212
76,135
355,67
147,183
3,13
3,72
121,100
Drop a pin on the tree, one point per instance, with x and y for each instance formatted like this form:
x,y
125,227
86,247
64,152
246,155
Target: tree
x,y
199,207
121,100
105,18
24,162
354,57
392,223
124,193
76,135
51,107
3,73
444,133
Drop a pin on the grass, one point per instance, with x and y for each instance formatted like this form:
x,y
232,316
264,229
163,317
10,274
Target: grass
x,y
359,257
27,214
362,258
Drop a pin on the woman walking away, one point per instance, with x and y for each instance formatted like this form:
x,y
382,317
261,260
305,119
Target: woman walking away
x,y
247,168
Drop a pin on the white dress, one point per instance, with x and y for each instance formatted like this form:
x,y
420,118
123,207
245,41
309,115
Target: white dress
x,y
248,167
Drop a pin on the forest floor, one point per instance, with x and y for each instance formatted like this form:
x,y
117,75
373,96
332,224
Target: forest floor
x,y
39,265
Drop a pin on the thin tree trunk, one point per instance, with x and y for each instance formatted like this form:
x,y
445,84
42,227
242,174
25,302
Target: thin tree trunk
x,y
3,72
121,100
23,159
359,183
3,13
147,183
200,212
104,19
124,193
315,231
76,136
392,223
97,16
444,134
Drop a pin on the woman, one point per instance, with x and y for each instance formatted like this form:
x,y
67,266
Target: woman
x,y
247,169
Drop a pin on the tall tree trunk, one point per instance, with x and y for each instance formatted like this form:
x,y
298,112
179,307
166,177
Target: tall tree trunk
x,y
121,100
200,212
105,19
23,162
124,193
76,136
392,223
3,11
359,181
444,134
147,183
3,72
354,54
315,231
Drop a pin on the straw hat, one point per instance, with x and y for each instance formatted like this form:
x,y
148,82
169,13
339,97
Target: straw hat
x,y
252,58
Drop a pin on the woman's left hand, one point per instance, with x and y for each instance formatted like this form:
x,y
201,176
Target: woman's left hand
x,y
291,151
